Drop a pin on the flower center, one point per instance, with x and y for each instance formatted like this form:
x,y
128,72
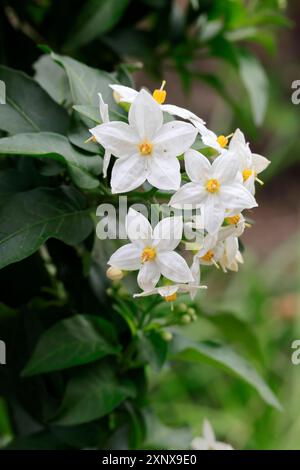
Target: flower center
x,y
149,254
233,220
222,140
160,94
208,256
145,148
171,298
247,173
212,186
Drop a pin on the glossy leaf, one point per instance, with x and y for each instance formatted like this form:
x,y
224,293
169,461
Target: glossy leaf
x,y
28,219
71,342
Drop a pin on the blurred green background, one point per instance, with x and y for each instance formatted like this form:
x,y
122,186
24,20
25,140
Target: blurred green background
x,y
233,63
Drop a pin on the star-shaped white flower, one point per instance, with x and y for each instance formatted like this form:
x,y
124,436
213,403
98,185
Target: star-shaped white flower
x,y
231,256
251,164
127,95
169,293
152,251
208,441
146,148
209,138
214,188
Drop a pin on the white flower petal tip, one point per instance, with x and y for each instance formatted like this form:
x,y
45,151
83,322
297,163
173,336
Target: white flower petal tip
x,y
208,441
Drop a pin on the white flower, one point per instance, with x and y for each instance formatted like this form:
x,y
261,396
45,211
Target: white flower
x,y
152,251
103,107
211,139
208,441
231,255
251,164
169,293
146,148
128,95
215,188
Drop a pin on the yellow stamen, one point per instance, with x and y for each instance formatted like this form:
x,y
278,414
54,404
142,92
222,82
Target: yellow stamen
x,y
145,148
208,256
90,139
233,220
247,173
212,186
160,94
222,140
149,254
171,298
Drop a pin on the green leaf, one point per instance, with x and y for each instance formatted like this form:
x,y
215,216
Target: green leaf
x,y
92,393
28,219
256,84
86,82
71,342
28,108
82,168
96,18
225,358
92,112
238,331
52,78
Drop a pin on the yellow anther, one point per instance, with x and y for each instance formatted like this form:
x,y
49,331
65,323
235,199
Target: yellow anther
x,y
212,186
247,173
208,256
222,140
145,148
171,298
233,220
149,254
160,94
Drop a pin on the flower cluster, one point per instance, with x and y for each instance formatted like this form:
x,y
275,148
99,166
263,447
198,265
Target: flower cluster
x,y
220,187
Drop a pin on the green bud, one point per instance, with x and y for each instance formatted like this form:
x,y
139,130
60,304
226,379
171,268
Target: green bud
x,y
185,319
182,308
191,311
110,291
167,336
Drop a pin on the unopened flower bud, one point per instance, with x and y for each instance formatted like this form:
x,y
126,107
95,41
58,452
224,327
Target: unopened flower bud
x,y
167,336
182,308
114,274
110,291
185,319
191,311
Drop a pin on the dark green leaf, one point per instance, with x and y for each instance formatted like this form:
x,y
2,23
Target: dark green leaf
x,y
96,18
71,342
82,168
28,219
52,78
92,393
28,108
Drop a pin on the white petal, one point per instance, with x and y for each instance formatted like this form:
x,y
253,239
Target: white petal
x,y
225,167
117,137
173,266
199,443
164,172
145,116
197,166
128,173
208,432
174,138
149,275
260,163
138,227
180,112
168,233
213,214
236,197
127,257
106,160
165,291
237,139
190,193
103,108
126,94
